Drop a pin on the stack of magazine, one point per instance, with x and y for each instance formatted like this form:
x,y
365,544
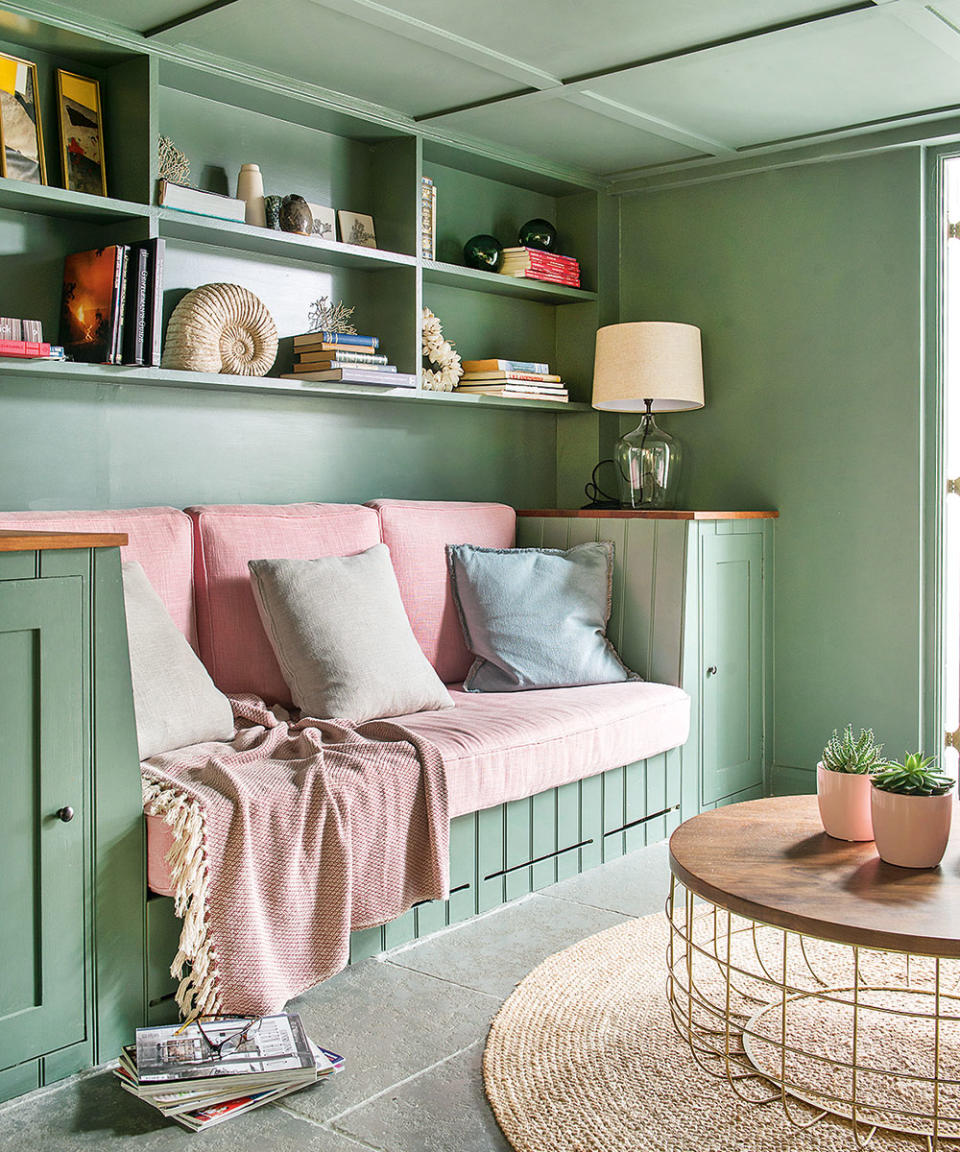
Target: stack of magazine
x,y
211,1070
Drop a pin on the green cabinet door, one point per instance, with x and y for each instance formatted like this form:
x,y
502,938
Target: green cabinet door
x,y
731,663
42,884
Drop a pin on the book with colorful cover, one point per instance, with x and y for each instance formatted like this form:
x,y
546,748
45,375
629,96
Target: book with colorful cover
x,y
358,375
541,377
531,393
325,337
339,352
90,318
332,365
505,366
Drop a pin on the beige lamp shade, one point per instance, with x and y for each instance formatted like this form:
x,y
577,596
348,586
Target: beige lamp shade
x,y
648,360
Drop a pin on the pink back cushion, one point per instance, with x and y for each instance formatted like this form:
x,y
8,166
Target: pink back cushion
x,y
417,532
233,644
161,540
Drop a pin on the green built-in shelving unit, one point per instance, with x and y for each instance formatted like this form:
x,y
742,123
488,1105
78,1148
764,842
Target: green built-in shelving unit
x,y
333,153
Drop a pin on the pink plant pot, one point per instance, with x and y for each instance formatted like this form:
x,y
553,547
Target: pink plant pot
x,y
911,831
844,800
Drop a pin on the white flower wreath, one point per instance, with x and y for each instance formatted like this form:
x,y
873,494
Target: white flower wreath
x,y
448,370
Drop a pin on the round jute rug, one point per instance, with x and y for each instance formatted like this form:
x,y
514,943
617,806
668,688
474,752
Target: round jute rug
x,y
584,1057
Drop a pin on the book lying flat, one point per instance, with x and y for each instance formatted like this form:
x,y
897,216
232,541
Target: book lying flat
x,y
521,393
333,365
358,375
541,377
340,352
368,343
200,203
336,349
470,366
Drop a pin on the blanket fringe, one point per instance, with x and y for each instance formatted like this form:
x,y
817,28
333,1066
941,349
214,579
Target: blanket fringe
x,y
198,991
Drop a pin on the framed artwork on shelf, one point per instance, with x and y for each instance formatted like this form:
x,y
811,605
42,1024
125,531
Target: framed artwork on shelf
x,y
81,133
21,137
324,221
355,228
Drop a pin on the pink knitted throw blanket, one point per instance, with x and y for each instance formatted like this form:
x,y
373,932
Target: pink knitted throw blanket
x,y
285,840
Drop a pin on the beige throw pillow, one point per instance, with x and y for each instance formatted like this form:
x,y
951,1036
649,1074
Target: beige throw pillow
x,y
175,700
342,637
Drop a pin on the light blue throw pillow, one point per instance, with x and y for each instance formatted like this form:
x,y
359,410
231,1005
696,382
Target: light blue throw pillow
x,y
536,617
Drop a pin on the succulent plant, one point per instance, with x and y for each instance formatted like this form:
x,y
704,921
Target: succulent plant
x,y
858,756
914,777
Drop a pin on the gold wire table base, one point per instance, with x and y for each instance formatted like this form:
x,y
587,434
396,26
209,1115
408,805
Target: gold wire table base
x,y
868,1036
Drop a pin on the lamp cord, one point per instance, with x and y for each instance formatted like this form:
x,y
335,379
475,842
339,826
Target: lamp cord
x,y
592,490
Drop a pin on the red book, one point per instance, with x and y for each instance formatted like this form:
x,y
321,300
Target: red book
x,y
24,349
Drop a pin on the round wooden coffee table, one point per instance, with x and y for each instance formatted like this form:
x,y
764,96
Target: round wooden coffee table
x,y
803,969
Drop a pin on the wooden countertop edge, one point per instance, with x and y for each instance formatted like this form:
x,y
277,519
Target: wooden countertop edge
x,y
20,540
653,514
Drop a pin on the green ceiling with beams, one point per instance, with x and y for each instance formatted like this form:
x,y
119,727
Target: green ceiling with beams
x,y
616,88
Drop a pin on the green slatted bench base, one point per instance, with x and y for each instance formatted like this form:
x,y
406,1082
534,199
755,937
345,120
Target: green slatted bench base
x,y
496,855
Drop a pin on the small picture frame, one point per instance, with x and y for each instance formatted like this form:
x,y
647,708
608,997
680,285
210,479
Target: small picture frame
x,y
81,133
324,221
355,228
21,134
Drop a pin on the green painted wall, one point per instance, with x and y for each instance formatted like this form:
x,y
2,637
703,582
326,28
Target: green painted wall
x,y
807,285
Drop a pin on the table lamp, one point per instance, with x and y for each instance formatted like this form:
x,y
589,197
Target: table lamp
x,y
648,367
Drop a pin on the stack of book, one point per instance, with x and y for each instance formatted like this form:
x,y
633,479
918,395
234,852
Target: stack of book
x,y
31,350
428,218
533,264
196,202
345,358
202,1074
524,379
112,302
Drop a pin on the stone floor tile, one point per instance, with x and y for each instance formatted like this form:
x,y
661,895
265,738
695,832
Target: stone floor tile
x,y
389,1022
633,885
493,953
441,1110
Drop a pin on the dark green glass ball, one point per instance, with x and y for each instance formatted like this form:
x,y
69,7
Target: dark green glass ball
x,y
483,252
538,234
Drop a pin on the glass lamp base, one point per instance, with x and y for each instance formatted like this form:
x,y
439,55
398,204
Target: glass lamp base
x,y
648,467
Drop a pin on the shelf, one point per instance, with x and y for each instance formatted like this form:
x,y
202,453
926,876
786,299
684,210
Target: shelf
x,y
646,514
259,385
265,241
455,276
48,201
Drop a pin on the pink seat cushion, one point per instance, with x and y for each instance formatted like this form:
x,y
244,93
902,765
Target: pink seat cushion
x,y
500,746
233,644
417,532
160,540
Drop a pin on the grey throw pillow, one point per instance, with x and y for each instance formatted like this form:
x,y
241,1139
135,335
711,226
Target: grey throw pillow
x,y
536,617
175,700
342,637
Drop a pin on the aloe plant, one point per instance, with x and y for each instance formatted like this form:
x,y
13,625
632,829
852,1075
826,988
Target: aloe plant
x,y
857,756
914,777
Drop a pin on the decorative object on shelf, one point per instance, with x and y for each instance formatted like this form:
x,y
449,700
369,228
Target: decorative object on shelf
x,y
324,221
327,317
250,191
174,165
21,135
445,367
843,784
271,211
912,804
81,133
483,252
428,218
221,328
648,367
355,228
295,216
538,234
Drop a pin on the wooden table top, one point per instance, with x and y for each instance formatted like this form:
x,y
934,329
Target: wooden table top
x,y
770,860
21,540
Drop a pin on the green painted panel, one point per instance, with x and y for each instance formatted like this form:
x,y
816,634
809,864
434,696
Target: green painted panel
x,y
637,604
591,822
463,867
163,942
59,1065
754,793
400,931
490,858
666,622
544,840
812,358
43,1004
613,813
19,1079
657,789
365,943
18,565
555,532
519,832
674,788
635,803
615,531
568,829
732,615
430,917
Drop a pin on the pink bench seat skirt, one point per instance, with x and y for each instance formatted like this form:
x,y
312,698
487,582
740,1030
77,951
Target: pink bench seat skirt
x,y
498,747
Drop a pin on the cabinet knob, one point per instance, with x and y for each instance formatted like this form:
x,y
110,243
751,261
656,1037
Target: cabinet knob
x,y
65,814
712,670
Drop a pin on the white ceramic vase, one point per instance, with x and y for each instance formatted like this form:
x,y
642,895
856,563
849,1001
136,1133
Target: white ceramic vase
x,y
250,191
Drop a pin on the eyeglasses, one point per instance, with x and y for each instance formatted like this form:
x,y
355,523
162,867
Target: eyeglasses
x,y
231,1043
